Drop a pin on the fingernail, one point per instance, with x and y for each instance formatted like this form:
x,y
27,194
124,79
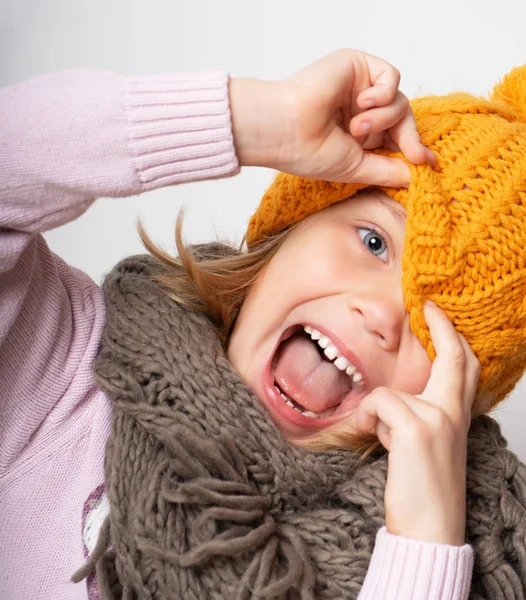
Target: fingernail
x,y
369,103
365,128
428,304
431,158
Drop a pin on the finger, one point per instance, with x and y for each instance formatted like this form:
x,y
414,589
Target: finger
x,y
379,140
375,169
355,166
383,433
472,375
427,412
405,135
399,121
385,81
382,118
390,144
446,383
376,140
384,408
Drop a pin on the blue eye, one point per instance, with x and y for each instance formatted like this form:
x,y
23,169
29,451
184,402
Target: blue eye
x,y
374,242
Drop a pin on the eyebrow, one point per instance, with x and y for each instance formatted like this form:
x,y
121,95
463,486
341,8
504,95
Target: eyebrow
x,y
395,209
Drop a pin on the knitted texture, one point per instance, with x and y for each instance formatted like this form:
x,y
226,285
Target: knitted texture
x,y
465,244
208,500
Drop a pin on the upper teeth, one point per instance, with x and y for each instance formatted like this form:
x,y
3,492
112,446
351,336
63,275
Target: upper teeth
x,y
331,352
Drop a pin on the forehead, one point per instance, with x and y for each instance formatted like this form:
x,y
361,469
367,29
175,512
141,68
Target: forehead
x,y
375,195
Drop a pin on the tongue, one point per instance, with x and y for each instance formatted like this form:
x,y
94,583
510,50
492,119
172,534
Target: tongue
x,y
307,378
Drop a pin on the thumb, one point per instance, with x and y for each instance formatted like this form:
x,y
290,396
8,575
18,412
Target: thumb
x,y
347,162
375,169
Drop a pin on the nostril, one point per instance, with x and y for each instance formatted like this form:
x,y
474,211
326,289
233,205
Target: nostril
x,y
381,314
380,336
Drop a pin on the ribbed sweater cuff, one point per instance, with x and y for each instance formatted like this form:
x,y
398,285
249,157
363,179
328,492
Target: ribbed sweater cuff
x,y
407,569
180,128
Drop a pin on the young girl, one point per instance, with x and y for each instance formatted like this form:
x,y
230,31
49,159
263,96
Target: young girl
x,y
227,384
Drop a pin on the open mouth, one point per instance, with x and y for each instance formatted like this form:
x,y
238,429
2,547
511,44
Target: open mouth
x,y
311,375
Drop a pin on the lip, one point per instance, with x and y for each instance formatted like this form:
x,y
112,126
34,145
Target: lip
x,y
284,412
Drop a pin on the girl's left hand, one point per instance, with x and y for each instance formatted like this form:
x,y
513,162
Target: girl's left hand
x,y
426,436
320,122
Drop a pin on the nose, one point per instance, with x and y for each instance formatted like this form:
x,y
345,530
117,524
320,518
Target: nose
x,y
382,313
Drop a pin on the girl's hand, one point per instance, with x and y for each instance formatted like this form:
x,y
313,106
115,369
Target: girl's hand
x,y
426,436
319,122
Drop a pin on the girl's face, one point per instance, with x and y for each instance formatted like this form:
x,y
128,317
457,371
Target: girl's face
x,y
325,322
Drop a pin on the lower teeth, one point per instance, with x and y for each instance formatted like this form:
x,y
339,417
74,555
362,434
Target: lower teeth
x,y
302,411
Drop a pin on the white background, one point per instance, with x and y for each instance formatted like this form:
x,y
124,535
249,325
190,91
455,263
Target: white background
x,y
438,46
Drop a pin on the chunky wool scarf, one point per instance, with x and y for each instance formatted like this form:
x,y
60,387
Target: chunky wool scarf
x,y
208,500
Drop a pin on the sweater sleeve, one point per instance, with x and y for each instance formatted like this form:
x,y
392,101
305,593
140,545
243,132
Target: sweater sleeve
x,y
408,569
65,139
70,137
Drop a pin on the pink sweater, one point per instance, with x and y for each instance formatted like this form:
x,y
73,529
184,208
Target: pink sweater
x,y
66,139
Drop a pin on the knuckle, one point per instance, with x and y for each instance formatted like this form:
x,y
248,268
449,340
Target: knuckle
x,y
417,432
343,54
472,361
404,101
438,420
476,366
458,356
348,57
381,392
397,76
464,422
452,426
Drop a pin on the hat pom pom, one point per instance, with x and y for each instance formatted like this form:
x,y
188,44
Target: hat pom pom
x,y
512,91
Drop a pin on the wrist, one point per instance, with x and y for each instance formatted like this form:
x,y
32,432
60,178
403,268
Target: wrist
x,y
450,534
259,120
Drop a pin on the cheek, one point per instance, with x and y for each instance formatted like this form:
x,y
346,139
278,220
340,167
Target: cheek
x,y
414,370
314,269
257,320
241,346
234,349
421,376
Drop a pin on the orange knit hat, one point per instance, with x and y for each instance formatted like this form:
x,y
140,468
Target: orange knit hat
x,y
465,243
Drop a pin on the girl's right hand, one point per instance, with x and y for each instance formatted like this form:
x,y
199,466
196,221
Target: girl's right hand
x,y
426,436
321,122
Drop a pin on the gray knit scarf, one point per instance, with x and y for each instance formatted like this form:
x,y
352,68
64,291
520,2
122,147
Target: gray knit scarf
x,y
208,500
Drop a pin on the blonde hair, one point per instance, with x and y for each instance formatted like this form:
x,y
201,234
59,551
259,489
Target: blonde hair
x,y
215,279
